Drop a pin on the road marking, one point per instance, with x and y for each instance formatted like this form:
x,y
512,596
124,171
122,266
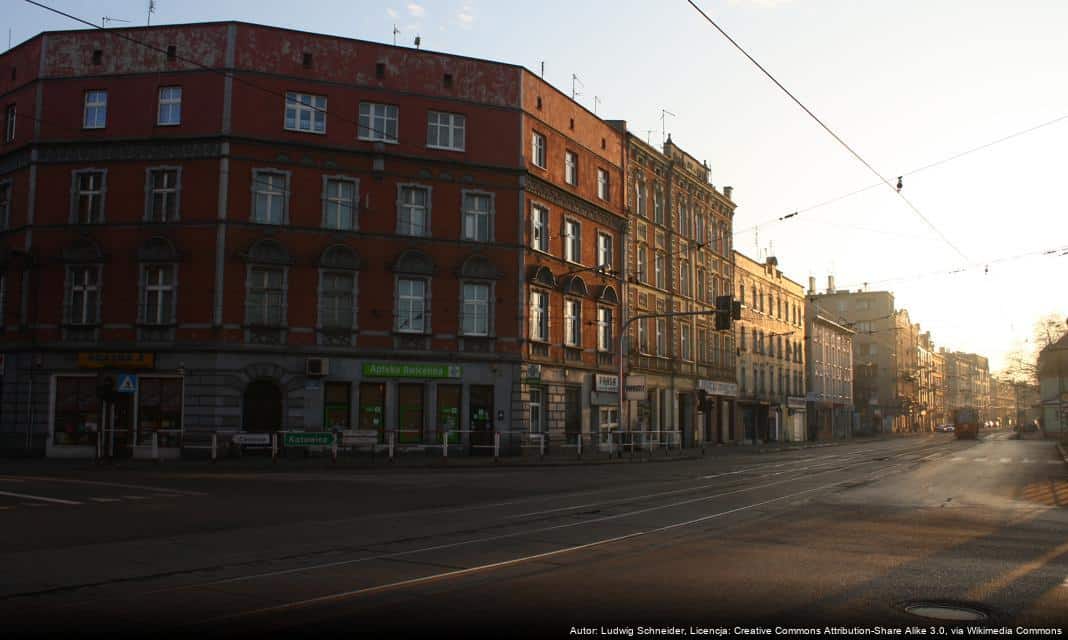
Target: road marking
x,y
980,459
135,497
11,480
1004,460
106,499
42,498
981,592
956,459
111,484
504,563
1027,461
1054,462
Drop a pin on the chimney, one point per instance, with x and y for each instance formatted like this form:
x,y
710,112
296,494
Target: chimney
x,y
830,284
727,191
812,285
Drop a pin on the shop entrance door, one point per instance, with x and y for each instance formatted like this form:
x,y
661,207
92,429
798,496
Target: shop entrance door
x,y
120,426
263,407
572,414
480,408
373,408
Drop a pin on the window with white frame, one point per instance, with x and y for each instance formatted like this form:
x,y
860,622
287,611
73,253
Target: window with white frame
x,y
658,205
643,335
572,241
411,305
684,220
534,411
537,149
305,112
699,227
475,320
661,337
413,211
265,305
162,195
572,323
158,297
684,342
270,196
9,123
603,188
604,250
83,295
477,215
89,190
539,315
95,115
643,263
445,130
684,277
169,109
337,299
5,204
339,203
604,328
639,198
539,228
571,167
660,269
378,122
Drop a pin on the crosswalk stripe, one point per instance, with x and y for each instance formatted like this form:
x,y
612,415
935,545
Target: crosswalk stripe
x,y
980,459
135,497
1004,460
1054,462
1028,461
105,499
957,459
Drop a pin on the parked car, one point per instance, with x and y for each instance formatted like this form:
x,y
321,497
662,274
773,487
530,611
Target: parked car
x,y
944,428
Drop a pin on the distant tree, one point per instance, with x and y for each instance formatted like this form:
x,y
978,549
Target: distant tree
x,y
1021,362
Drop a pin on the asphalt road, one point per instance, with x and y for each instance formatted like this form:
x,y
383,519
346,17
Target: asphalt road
x,y
847,536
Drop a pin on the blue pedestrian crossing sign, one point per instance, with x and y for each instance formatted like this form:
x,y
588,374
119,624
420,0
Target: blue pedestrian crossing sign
x,y
126,383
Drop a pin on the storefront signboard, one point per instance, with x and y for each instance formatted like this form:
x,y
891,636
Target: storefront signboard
x,y
116,360
635,388
252,438
606,383
405,370
716,388
795,402
300,439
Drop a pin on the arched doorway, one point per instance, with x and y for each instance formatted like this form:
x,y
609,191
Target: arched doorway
x,y
262,406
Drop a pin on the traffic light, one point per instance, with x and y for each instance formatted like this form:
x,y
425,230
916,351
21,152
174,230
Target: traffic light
x,y
724,312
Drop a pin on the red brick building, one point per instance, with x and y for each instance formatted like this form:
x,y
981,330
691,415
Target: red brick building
x,y
256,228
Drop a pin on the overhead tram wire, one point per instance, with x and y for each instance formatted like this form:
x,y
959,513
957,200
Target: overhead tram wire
x,y
223,72
925,167
827,129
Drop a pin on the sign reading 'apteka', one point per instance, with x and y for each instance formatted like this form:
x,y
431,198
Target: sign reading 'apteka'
x,y
402,370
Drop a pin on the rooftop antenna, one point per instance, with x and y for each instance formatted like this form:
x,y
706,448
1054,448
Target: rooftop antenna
x,y
106,19
595,101
395,32
575,92
663,126
418,40
151,10
542,69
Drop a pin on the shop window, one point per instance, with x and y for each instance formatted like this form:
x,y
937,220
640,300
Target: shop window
x,y
373,407
337,406
159,411
410,413
77,411
449,412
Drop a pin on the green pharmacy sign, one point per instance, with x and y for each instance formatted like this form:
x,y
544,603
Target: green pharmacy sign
x,y
402,370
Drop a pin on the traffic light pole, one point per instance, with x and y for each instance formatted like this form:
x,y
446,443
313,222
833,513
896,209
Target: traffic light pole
x,y
623,335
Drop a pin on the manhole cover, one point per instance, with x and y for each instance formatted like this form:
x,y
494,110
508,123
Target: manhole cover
x,y
945,611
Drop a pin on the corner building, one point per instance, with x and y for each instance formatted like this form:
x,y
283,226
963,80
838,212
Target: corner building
x,y
261,229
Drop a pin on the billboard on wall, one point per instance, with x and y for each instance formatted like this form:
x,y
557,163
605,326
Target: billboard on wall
x,y
635,388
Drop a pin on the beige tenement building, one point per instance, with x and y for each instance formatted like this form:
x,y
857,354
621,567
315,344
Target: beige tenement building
x,y
771,354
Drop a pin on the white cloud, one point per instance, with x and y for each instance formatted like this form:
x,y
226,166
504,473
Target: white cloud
x,y
466,16
392,13
416,10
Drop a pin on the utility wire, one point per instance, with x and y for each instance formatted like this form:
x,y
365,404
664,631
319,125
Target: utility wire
x,y
828,130
925,167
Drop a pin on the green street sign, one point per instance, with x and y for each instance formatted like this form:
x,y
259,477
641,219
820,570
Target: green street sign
x,y
403,370
321,438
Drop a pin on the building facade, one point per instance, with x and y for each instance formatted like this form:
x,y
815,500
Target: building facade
x,y
259,229
829,374
1053,388
967,383
771,354
678,260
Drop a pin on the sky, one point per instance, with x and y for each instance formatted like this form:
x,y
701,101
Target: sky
x,y
905,84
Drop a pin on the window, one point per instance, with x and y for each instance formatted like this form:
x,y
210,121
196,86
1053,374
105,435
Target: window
x,y
337,300
661,336
604,329
534,411
5,204
89,189
411,305
571,168
684,220
9,123
639,198
96,110
660,269
604,250
378,122
537,149
699,227
162,195
158,295
684,277
643,336
539,316
266,297
271,194
475,321
701,292
741,339
572,241
306,112
684,342
169,112
83,295
602,184
478,209
643,263
413,211
539,228
77,411
658,205
445,130
572,323
339,203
